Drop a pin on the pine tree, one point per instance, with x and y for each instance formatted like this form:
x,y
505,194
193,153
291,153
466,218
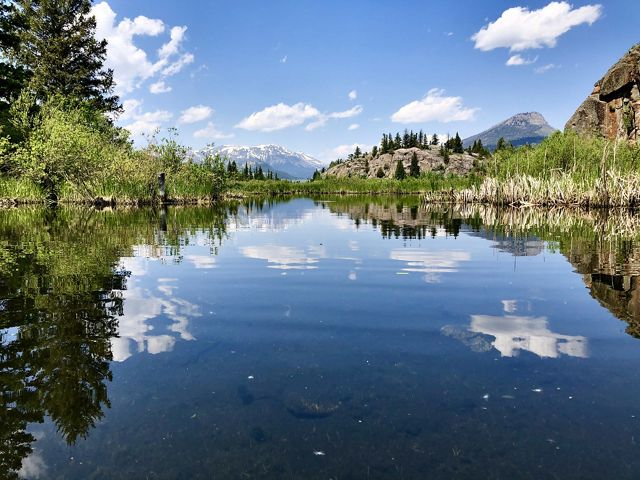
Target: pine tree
x,y
435,140
384,145
357,153
59,47
400,174
397,142
245,172
502,144
374,151
456,144
414,168
13,76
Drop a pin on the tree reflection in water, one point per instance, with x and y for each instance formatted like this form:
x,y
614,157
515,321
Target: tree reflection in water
x,y
60,299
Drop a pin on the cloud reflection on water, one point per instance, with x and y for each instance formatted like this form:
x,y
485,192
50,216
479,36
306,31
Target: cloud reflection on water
x,y
513,333
284,257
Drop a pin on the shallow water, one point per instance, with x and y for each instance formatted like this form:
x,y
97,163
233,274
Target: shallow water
x,y
346,338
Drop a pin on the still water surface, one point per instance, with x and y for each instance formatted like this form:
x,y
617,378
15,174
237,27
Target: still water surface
x,y
343,339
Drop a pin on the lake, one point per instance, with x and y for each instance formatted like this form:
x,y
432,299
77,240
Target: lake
x,y
336,338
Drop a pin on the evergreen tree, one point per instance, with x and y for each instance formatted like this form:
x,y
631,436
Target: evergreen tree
x,y
414,168
502,144
357,153
374,151
59,47
259,175
316,176
245,172
400,173
13,76
397,142
435,140
456,144
384,145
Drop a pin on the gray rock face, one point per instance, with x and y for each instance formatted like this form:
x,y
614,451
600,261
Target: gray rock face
x,y
613,108
428,160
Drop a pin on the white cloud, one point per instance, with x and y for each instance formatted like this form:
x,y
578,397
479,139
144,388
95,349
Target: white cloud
x,y
211,132
517,60
130,108
434,107
281,116
278,117
159,87
342,151
546,68
195,114
354,126
519,28
178,65
353,94
130,63
147,123
323,118
173,46
284,59
352,112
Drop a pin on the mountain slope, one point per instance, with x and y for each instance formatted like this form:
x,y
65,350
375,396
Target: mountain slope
x,y
285,163
523,128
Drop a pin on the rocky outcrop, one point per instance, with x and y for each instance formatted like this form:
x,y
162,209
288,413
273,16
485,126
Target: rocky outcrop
x,y
613,109
428,160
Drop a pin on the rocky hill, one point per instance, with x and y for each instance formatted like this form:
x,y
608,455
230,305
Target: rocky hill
x,y
521,129
613,108
428,160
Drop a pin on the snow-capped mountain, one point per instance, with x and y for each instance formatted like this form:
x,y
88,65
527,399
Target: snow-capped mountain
x,y
285,163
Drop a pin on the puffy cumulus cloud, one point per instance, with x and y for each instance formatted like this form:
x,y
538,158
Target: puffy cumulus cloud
x,y
195,114
354,126
519,28
517,60
173,46
353,94
144,123
211,132
279,117
131,64
434,107
159,87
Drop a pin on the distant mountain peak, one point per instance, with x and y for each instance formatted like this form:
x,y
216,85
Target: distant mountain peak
x,y
276,158
520,129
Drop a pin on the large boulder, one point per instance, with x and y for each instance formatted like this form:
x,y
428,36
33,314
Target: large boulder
x,y
613,108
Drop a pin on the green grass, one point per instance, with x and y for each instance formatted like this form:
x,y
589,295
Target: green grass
x,y
372,186
20,190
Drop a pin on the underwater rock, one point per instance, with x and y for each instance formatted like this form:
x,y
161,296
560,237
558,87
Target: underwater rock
x,y
477,342
305,406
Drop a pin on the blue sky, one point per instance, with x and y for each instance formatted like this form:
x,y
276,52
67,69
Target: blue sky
x,y
322,76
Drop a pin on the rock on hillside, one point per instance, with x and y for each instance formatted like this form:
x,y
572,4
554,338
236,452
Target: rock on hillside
x,y
521,129
429,160
613,108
